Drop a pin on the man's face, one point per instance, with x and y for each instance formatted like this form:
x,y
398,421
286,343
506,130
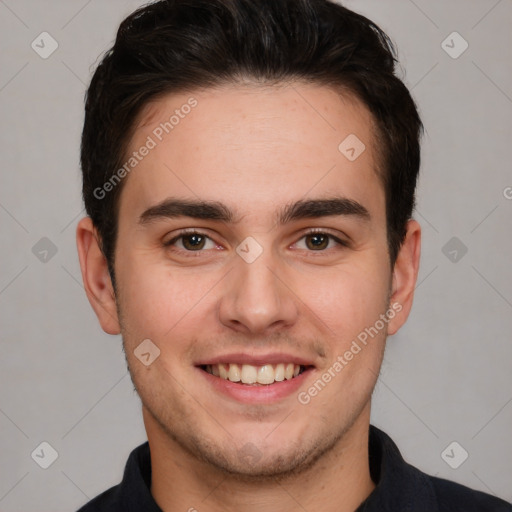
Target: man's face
x,y
283,295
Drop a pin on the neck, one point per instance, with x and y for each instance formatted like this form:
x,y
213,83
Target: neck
x,y
339,481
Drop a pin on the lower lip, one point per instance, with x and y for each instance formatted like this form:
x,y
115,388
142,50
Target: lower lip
x,y
262,394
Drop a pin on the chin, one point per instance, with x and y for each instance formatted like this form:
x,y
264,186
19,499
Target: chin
x,y
252,458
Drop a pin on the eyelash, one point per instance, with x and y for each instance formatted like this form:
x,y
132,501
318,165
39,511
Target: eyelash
x,y
191,232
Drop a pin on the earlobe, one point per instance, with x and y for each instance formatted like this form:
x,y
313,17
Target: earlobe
x,y
95,276
405,274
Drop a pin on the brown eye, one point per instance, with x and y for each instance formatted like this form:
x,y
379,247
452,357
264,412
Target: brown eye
x,y
190,242
320,241
317,241
193,242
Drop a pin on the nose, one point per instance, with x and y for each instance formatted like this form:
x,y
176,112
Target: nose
x,y
258,296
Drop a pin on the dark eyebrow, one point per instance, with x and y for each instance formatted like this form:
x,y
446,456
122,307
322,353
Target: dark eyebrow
x,y
214,210
171,208
314,208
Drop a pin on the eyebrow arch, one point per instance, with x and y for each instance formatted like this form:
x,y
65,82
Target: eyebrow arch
x,y
214,210
171,208
316,208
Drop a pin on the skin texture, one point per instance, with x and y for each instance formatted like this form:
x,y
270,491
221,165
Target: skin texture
x,y
255,149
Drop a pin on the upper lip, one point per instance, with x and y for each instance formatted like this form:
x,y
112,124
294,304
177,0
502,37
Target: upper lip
x,y
256,360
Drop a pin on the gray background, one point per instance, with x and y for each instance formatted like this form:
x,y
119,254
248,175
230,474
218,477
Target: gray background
x,y
447,374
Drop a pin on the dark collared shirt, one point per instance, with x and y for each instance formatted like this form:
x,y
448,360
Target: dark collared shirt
x,y
400,487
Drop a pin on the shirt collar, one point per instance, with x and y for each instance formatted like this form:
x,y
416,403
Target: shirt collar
x,y
134,491
399,486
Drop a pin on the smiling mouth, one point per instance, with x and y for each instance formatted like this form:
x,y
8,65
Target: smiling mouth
x,y
250,375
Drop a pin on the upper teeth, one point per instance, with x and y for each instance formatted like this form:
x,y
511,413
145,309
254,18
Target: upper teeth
x,y
249,374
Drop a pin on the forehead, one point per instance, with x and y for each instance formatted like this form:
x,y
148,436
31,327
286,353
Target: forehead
x,y
254,145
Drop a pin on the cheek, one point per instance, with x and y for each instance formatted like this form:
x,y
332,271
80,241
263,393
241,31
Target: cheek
x,y
347,300
157,301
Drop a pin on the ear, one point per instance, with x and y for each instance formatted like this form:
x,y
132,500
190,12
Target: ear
x,y
405,274
95,276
